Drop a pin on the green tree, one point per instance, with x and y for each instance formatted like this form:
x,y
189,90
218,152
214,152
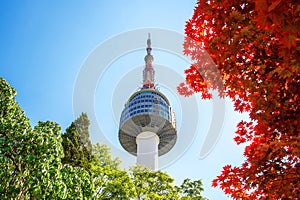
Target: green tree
x,y
43,161
189,190
102,155
14,127
76,143
30,159
153,184
139,182
110,181
76,183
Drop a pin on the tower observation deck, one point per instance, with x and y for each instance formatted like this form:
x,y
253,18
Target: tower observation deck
x,y
148,126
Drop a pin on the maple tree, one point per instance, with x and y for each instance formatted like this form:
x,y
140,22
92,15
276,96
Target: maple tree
x,y
249,50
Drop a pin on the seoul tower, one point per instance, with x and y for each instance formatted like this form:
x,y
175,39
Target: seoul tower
x,y
148,125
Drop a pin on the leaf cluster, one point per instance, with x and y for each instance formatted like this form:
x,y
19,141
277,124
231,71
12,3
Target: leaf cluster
x,y
254,46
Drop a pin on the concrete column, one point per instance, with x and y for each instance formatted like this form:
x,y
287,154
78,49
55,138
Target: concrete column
x,y
147,149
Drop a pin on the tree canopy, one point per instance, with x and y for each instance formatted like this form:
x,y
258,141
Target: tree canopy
x,y
249,50
30,159
76,143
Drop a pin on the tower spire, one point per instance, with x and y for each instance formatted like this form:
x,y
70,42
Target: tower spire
x,y
148,73
149,42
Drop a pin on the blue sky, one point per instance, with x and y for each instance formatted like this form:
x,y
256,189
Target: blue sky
x,y
44,45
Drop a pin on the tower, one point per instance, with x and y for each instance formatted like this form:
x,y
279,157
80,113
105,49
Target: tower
x,y
148,126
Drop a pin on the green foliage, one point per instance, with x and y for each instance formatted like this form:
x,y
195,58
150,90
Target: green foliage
x,y
14,126
30,159
153,185
110,181
43,161
77,183
76,143
190,190
103,157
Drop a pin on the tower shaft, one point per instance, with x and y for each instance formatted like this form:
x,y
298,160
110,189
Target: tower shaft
x,y
147,149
